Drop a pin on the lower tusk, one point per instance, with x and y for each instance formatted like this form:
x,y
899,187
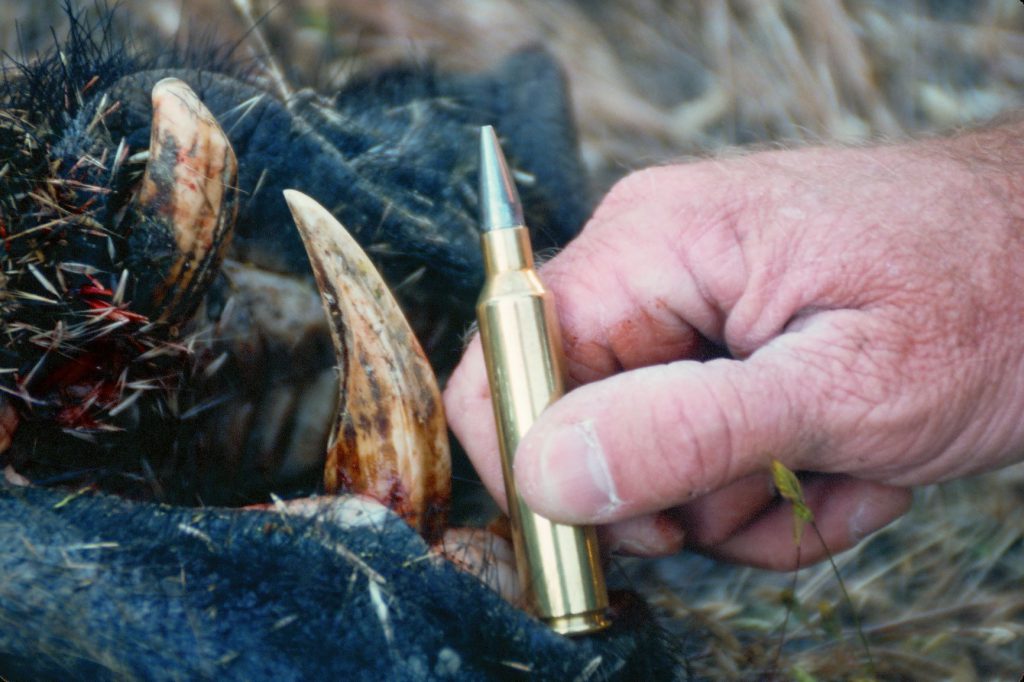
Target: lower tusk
x,y
390,439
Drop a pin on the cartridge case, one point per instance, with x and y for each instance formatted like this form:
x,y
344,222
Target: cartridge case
x,y
559,565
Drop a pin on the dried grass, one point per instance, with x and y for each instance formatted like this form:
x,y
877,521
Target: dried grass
x,y
939,593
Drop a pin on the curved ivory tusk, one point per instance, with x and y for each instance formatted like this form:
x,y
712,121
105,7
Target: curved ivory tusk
x,y
185,208
390,440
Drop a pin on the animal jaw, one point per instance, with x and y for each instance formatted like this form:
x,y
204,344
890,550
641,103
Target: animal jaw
x,y
389,440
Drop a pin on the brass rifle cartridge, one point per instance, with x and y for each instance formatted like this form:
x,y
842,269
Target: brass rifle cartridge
x,y
559,565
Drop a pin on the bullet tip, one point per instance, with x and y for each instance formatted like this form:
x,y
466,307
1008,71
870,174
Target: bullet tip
x,y
499,201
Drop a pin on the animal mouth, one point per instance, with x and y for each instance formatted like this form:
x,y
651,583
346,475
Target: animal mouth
x,y
108,335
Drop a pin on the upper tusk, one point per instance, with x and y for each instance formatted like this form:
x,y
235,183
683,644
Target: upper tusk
x,y
390,439
186,205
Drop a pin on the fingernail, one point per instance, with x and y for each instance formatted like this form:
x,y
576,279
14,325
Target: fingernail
x,y
868,517
568,476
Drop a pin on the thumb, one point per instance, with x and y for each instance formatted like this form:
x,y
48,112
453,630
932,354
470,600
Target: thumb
x,y
657,437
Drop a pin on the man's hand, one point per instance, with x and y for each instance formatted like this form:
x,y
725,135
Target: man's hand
x,y
857,314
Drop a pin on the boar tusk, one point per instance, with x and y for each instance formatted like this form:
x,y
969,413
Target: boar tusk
x,y
390,439
185,208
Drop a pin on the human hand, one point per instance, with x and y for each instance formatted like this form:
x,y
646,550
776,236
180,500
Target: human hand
x,y
868,300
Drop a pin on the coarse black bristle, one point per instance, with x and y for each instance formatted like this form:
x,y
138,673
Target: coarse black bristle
x,y
51,88
63,189
61,185
73,352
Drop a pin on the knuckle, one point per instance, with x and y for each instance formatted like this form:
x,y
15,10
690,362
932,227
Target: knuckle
x,y
862,388
586,299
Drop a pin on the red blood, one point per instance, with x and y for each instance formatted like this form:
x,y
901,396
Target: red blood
x,y
75,371
91,290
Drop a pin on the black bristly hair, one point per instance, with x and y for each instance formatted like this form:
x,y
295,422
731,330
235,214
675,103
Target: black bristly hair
x,y
64,183
50,88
